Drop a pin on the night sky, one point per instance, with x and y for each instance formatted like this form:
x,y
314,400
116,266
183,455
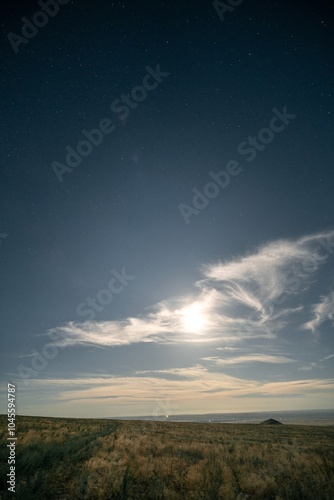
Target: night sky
x,y
167,208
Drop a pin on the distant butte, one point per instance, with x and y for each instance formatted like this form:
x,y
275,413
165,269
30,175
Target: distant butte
x,y
271,421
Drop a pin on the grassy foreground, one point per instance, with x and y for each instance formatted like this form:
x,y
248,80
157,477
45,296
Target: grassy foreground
x,y
106,459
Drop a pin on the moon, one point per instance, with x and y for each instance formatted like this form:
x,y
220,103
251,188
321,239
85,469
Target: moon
x,y
193,319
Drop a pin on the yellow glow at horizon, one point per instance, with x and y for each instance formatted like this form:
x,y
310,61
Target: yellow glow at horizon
x,y
193,319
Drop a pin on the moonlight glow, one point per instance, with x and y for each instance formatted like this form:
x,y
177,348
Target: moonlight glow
x,y
193,318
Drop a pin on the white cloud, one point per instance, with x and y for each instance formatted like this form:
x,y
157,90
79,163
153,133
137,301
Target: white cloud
x,y
250,358
311,366
244,298
263,276
322,312
198,390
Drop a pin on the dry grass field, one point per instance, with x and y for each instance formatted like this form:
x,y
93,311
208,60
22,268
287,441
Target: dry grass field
x,y
107,459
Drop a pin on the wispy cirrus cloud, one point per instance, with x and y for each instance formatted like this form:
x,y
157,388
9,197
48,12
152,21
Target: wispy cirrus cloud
x,y
264,275
195,389
316,365
311,366
322,311
245,297
250,358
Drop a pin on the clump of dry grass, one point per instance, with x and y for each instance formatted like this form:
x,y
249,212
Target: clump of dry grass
x,y
105,459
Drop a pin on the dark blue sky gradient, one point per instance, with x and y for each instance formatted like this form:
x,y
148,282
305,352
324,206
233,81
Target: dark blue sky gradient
x,y
120,207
